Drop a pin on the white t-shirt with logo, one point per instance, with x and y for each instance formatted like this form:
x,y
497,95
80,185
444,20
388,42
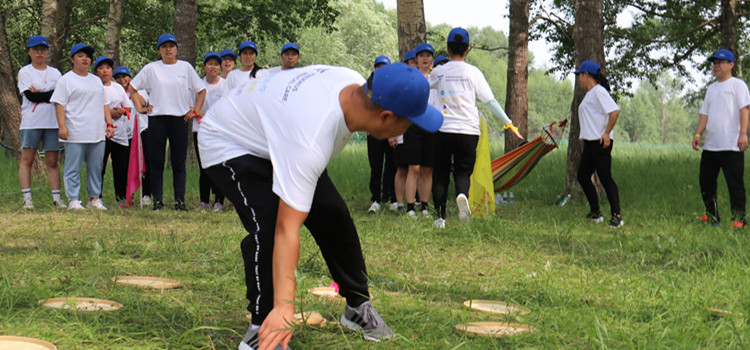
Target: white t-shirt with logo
x,y
173,87
458,85
115,96
722,105
37,115
213,93
237,77
83,99
593,113
142,118
292,118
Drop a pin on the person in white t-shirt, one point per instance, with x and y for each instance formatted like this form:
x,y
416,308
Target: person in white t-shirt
x,y
289,60
228,61
248,70
36,83
267,147
84,122
177,93
123,77
724,117
118,146
597,115
458,86
215,89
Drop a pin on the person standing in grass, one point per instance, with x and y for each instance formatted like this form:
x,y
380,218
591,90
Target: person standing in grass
x,y
724,118
228,61
248,70
399,154
267,147
36,83
84,122
177,93
380,173
459,85
597,115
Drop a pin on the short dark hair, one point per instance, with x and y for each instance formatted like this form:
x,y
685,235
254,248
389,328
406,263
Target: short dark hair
x,y
459,46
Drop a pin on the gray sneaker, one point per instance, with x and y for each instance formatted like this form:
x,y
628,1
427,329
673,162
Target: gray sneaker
x,y
250,340
366,319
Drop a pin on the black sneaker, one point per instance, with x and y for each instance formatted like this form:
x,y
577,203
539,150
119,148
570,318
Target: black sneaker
x,y
366,319
179,206
158,205
616,221
250,340
594,216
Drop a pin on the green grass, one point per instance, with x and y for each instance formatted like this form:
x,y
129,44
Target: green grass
x,y
646,285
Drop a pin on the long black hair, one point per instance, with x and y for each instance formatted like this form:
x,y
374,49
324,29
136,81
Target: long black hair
x,y
601,79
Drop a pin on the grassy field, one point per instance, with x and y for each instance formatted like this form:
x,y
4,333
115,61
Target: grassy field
x,y
648,284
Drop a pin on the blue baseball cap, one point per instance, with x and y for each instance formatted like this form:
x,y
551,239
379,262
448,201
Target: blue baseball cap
x,y
248,45
228,52
722,54
37,40
81,47
439,60
424,47
165,38
590,67
211,55
404,91
411,54
104,59
289,46
381,59
121,70
458,31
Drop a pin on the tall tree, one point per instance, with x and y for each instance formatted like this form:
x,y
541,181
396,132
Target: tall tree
x,y
10,107
49,30
184,29
114,30
60,31
412,29
516,100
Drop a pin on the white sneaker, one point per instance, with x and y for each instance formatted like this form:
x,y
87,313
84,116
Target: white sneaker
x,y
374,208
412,214
75,205
146,200
464,212
96,203
440,223
425,213
59,204
28,204
394,207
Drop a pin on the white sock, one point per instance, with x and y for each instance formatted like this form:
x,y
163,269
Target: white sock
x,y
26,194
55,195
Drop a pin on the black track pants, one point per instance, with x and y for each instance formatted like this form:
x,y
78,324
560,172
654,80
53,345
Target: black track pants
x,y
733,165
599,159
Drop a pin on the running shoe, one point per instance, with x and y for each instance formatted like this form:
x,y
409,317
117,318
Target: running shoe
x,y
204,206
711,220
158,205
146,200
394,207
218,207
250,340
75,205
97,204
738,224
374,208
425,213
179,206
59,204
28,204
366,319
464,212
616,221
595,216
440,223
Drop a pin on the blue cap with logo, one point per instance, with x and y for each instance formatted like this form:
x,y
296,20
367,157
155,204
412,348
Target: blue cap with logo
x,y
37,40
458,31
103,59
722,54
228,52
590,67
289,46
121,70
211,55
424,47
438,60
166,38
381,59
81,47
248,45
404,91
410,55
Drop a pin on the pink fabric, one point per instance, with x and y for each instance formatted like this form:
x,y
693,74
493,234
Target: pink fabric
x,y
135,165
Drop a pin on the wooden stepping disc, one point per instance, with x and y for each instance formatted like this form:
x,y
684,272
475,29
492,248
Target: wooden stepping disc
x,y
23,343
720,312
81,304
325,292
495,329
496,307
311,318
147,282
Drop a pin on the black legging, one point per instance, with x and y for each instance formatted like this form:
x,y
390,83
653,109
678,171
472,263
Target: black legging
x,y
597,158
376,151
732,164
204,183
175,129
120,160
463,149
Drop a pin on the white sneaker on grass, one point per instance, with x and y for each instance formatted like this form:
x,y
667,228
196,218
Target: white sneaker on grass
x,y
440,223
464,212
97,204
146,200
394,207
59,204
75,205
250,340
28,204
374,208
366,319
425,213
412,214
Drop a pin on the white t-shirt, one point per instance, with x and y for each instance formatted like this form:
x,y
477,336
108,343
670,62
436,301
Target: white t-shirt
x,y
237,77
266,72
458,86
293,118
722,106
593,113
142,118
37,115
213,93
173,87
115,96
83,99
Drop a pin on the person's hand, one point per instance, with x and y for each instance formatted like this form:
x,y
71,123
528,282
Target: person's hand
x,y
32,89
393,142
190,114
110,131
697,142
605,140
62,132
742,142
277,328
515,132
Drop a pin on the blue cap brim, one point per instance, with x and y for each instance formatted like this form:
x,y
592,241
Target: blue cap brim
x,y
431,120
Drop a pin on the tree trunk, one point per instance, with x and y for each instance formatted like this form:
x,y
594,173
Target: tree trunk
x,y
588,38
412,29
58,31
49,13
114,30
729,38
184,29
10,107
516,97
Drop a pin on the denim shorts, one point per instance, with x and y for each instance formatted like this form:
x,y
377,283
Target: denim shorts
x,y
49,139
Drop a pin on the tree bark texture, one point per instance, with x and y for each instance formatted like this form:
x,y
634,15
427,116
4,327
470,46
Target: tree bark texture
x,y
114,29
516,97
184,29
58,30
412,29
729,37
49,13
10,107
588,38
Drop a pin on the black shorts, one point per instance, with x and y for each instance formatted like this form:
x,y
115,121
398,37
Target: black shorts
x,y
418,148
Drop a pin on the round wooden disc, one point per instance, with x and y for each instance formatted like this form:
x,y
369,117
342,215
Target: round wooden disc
x,y
496,307
148,282
495,329
325,292
81,304
311,318
720,312
23,343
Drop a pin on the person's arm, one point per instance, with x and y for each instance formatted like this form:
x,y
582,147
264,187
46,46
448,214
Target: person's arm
x,y
605,140
62,130
199,98
702,127
138,102
38,97
744,116
498,111
278,325
108,119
